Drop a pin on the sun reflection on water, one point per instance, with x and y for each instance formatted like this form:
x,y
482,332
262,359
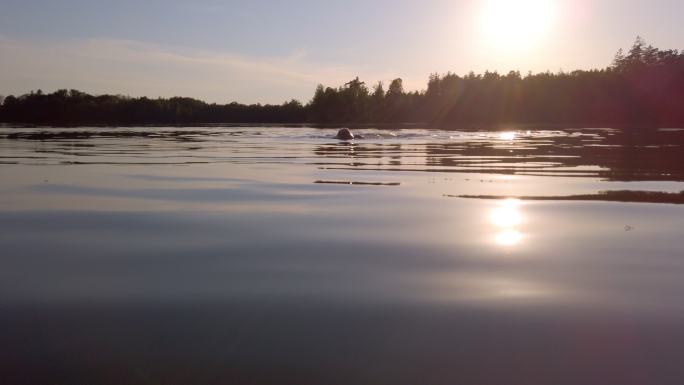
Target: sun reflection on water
x,y
508,238
506,216
508,135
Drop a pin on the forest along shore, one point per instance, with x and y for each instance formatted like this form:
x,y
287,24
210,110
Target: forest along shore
x,y
642,87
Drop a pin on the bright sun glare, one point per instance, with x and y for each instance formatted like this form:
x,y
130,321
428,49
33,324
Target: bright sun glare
x,y
517,25
508,136
506,216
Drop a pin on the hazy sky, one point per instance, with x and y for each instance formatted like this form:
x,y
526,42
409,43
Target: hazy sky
x,y
270,51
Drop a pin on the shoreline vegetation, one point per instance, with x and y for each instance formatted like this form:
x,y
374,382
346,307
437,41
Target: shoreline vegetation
x,y
642,87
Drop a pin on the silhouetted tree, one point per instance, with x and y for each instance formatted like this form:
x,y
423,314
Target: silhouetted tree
x,y
644,86
396,87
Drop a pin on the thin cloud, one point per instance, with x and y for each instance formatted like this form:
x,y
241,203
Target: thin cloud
x,y
140,68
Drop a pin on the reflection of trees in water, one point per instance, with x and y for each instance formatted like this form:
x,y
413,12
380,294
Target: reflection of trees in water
x,y
625,155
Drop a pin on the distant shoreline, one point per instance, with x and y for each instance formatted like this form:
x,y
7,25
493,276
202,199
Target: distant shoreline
x,y
642,88
379,126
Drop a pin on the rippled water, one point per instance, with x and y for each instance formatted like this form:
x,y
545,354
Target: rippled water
x,y
278,255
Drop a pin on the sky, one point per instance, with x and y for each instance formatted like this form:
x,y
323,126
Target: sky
x,y
271,51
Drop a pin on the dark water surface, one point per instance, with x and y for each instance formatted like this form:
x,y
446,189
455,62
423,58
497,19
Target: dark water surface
x,y
274,255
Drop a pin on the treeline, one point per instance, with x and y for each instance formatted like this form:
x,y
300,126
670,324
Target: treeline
x,y
75,107
643,86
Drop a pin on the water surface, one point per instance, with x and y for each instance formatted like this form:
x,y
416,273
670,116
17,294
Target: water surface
x,y
278,255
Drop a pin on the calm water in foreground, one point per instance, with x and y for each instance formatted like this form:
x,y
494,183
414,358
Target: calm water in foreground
x,y
270,255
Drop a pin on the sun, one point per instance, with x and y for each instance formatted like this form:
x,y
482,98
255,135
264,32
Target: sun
x,y
517,24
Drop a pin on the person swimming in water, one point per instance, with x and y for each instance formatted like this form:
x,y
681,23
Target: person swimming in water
x,y
346,134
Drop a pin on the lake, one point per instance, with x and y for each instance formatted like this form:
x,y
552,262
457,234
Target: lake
x,y
279,255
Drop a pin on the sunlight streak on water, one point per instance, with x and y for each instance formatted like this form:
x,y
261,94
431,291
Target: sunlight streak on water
x,y
509,238
508,135
506,216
